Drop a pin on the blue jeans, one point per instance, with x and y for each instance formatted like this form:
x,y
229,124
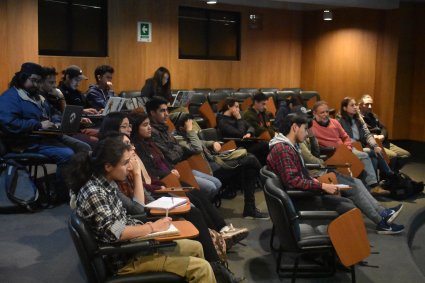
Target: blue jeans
x,y
361,197
210,184
370,174
60,154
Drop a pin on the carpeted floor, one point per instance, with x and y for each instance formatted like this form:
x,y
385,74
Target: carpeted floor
x,y
37,248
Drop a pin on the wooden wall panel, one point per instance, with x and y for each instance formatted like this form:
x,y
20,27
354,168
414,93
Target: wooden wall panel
x,y
339,57
277,66
19,37
417,95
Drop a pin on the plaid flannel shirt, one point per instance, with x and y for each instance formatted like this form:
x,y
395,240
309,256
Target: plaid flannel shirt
x,y
286,163
99,205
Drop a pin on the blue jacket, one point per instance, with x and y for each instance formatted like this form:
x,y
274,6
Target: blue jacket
x,y
97,98
20,115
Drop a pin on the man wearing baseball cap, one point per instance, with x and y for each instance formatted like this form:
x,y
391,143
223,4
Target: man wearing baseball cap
x,y
72,76
22,111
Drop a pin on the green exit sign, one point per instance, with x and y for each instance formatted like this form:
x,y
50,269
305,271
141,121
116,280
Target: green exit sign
x,y
144,32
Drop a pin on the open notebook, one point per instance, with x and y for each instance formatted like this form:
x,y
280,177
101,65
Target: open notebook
x,y
172,230
166,203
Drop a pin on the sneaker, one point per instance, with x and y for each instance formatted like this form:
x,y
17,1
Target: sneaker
x,y
256,214
235,235
378,191
384,228
390,214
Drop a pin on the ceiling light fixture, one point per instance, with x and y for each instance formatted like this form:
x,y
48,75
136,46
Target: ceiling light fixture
x,y
327,15
211,2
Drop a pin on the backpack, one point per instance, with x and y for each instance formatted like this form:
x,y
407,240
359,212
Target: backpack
x,y
402,186
17,189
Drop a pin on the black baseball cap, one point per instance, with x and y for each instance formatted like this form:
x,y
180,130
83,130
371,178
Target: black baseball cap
x,y
74,71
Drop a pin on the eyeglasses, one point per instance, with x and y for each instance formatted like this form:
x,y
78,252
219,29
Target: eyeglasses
x,y
129,126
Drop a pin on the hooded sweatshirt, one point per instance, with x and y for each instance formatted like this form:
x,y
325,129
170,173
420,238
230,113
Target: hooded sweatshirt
x,y
97,97
286,162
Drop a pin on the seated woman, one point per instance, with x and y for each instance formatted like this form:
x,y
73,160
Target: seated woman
x,y
119,122
158,85
134,197
231,125
357,130
94,178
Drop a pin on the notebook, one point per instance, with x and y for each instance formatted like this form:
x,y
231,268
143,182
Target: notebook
x,y
166,203
114,104
70,122
182,98
172,230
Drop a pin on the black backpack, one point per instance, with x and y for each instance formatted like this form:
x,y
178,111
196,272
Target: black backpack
x,y
402,186
17,189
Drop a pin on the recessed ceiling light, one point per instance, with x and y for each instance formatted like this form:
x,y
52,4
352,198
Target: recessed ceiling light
x,y
212,2
327,15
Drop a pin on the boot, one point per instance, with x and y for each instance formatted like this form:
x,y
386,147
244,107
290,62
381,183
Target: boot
x,y
223,274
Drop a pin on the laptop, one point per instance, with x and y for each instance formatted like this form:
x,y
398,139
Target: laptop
x,y
182,98
70,122
114,104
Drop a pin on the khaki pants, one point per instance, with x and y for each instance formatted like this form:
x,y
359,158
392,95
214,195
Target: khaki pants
x,y
186,260
395,151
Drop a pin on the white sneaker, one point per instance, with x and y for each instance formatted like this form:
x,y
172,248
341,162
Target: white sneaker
x,y
236,234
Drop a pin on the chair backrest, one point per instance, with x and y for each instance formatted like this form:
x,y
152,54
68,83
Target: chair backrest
x,y
198,162
241,96
204,90
269,90
195,102
309,97
86,245
130,93
349,237
171,181
217,97
283,215
246,104
248,90
265,173
283,95
186,174
227,90
207,113
271,106
343,155
209,134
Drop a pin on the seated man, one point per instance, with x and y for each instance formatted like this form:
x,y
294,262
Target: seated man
x,y
98,94
286,161
173,152
93,177
258,117
22,111
398,156
246,168
330,133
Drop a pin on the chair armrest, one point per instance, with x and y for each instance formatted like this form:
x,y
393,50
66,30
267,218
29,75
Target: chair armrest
x,y
133,247
302,193
317,215
313,166
327,150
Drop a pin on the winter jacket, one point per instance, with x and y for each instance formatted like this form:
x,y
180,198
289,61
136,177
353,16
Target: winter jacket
x,y
232,128
96,97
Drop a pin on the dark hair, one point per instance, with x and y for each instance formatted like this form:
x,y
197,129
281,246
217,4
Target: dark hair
x,y
154,104
49,71
318,104
259,97
290,119
344,103
111,122
101,70
83,164
229,102
19,79
160,89
180,118
136,119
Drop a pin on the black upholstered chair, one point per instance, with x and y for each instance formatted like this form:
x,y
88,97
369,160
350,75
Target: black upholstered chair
x,y
298,238
33,161
92,256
